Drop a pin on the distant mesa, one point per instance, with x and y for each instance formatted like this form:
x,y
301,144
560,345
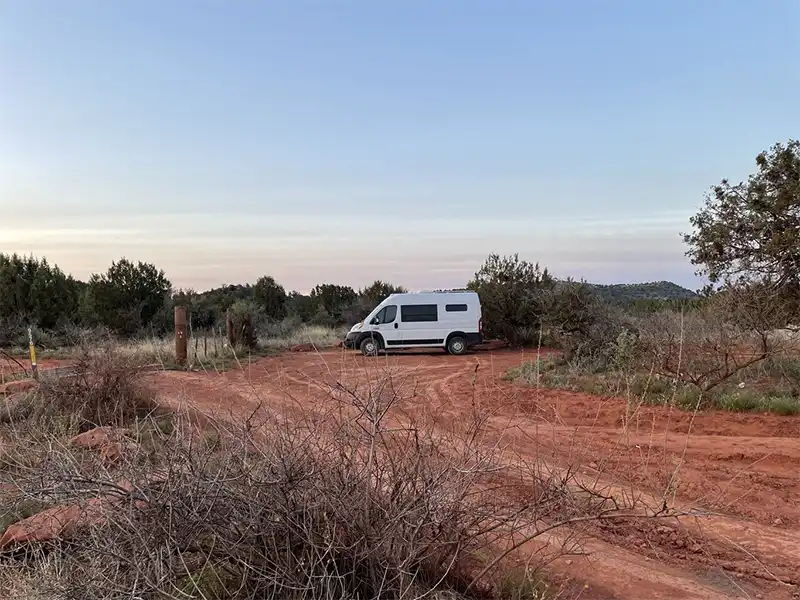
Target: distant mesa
x,y
631,292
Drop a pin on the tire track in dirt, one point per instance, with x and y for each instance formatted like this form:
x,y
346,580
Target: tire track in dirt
x,y
752,454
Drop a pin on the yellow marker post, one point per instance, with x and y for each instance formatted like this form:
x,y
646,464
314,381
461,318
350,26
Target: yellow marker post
x,y
34,370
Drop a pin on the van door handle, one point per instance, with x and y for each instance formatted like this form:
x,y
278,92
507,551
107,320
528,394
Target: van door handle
x,y
395,325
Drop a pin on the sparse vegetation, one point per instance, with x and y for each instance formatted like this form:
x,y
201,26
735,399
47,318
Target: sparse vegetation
x,y
764,390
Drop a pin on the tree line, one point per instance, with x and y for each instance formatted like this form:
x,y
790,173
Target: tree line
x,y
747,235
137,298
519,299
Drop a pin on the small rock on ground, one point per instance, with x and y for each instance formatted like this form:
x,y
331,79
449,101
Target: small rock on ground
x,y
110,442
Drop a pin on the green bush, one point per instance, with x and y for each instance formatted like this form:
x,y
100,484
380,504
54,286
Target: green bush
x,y
127,297
511,300
753,401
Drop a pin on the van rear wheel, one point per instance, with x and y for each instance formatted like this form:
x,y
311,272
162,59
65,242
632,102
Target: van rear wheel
x,y
370,346
457,345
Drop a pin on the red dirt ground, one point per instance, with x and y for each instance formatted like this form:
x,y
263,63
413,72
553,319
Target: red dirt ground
x,y
21,366
741,470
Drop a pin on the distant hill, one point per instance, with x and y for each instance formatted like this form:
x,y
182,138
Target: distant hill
x,y
631,292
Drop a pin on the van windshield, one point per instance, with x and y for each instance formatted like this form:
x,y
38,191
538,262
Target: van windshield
x,y
386,315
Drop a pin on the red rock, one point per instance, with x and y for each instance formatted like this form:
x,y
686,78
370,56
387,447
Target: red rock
x,y
52,523
110,442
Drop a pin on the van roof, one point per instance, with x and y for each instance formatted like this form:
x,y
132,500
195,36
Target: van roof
x,y
453,291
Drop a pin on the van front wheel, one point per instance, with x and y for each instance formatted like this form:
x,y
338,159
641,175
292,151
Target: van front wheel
x,y
457,345
370,346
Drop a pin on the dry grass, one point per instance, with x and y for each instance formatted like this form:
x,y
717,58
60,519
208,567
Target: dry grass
x,y
317,335
208,349
773,386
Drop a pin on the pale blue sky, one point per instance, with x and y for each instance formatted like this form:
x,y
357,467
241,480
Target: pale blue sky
x,y
346,141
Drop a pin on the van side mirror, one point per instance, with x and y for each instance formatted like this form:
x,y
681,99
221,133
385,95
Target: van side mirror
x,y
374,321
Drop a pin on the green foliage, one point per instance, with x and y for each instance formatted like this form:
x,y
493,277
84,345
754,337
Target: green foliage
x,y
624,350
300,306
750,231
206,310
530,372
128,296
270,297
511,300
650,306
331,302
130,299
526,305
33,291
581,324
625,294
366,299
753,401
245,313
377,291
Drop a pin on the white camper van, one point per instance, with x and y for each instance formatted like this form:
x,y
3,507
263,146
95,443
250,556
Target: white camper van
x,y
449,319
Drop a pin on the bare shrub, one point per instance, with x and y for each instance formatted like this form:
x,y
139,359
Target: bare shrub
x,y
100,389
707,347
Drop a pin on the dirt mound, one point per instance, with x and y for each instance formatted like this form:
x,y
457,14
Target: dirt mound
x,y
491,346
303,348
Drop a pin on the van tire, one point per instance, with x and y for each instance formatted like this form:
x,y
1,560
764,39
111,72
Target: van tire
x,y
370,346
457,345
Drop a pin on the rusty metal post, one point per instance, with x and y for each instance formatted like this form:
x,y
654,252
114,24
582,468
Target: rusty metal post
x,y
181,334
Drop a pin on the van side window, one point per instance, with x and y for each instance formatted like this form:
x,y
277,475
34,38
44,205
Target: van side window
x,y
416,313
386,315
455,307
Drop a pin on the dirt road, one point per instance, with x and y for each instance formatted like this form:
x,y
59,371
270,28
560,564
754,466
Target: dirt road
x,y
737,472
18,367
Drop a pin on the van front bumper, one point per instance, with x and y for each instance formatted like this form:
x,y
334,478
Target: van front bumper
x,y
350,340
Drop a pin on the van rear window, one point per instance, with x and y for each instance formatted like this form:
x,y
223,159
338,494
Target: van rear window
x,y
415,313
455,307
